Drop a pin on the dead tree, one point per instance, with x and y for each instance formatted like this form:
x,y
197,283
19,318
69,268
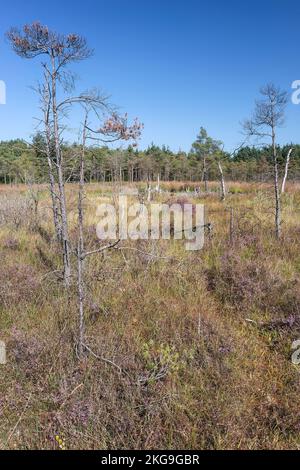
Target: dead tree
x,y
45,96
59,51
268,116
114,128
157,189
222,181
80,242
149,191
286,169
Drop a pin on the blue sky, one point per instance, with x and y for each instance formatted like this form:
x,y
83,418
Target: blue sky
x,y
176,64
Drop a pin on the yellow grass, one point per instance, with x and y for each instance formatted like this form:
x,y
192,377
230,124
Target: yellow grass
x,y
226,383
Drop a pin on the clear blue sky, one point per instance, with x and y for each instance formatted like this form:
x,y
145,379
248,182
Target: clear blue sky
x,y
176,64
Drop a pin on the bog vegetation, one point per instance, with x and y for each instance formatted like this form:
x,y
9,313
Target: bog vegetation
x,y
142,344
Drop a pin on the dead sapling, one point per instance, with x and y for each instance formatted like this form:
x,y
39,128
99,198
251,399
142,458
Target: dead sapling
x,y
114,128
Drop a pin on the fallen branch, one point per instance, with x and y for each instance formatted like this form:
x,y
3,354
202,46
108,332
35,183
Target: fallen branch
x,y
99,250
281,323
104,359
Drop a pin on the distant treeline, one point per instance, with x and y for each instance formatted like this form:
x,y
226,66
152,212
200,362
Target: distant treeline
x,y
22,162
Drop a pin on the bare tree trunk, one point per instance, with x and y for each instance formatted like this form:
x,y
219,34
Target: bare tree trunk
x,y
55,209
287,162
61,184
80,246
276,189
223,189
46,109
269,113
158,184
148,191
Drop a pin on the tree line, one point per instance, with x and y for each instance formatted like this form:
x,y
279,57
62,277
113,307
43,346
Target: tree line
x,y
25,162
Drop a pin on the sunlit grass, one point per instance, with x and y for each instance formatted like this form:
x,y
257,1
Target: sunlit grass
x,y
196,373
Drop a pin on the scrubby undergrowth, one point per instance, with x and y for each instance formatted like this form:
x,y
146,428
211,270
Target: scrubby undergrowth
x,y
189,371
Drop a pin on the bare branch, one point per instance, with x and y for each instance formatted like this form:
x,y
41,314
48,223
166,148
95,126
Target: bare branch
x,y
99,250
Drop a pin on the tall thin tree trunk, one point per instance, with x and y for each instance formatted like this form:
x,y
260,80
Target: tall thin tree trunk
x,y
61,184
80,246
55,210
158,184
148,191
287,162
276,189
222,181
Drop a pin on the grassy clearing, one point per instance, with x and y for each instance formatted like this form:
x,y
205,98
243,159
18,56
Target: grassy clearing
x,y
196,375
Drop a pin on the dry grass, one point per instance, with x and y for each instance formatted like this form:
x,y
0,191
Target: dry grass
x,y
195,374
